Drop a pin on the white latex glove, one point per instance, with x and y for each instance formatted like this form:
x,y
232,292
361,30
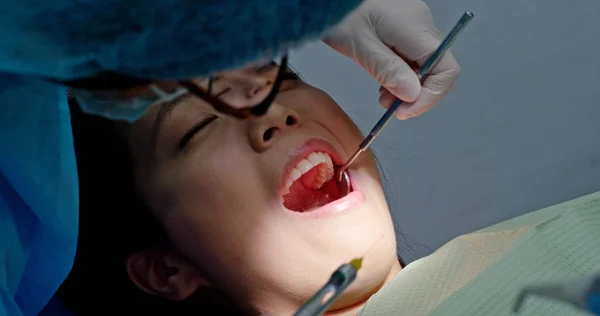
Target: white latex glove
x,y
391,39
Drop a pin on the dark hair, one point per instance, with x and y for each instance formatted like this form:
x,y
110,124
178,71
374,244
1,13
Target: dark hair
x,y
114,223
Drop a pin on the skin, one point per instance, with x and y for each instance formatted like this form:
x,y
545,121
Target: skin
x,y
219,202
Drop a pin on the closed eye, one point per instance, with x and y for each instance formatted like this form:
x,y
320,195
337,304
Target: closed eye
x,y
194,130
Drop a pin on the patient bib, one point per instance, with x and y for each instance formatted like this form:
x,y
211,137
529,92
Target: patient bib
x,y
482,273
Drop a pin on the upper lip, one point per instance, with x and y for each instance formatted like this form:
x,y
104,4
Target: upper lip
x,y
310,146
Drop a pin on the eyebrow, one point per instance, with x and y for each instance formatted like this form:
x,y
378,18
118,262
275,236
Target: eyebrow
x,y
164,111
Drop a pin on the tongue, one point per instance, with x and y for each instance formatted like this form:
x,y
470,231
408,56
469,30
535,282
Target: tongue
x,y
302,198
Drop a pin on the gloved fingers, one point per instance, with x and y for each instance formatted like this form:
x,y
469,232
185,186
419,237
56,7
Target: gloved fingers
x,y
389,39
447,69
382,89
379,60
391,71
427,100
416,42
434,89
413,35
436,86
386,98
417,53
405,110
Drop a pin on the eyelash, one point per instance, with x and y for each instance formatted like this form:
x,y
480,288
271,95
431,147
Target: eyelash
x,y
190,134
288,75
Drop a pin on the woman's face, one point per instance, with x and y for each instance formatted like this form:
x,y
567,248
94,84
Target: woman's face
x,y
217,184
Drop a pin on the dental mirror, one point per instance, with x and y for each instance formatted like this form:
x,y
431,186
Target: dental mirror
x,y
343,180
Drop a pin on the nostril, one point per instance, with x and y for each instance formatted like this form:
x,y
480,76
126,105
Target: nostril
x,y
290,120
269,134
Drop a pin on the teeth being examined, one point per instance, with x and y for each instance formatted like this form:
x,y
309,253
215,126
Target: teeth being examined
x,y
319,160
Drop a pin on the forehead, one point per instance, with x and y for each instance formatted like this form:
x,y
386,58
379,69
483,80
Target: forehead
x,y
144,133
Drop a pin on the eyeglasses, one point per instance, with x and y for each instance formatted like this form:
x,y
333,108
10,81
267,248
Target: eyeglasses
x,y
241,93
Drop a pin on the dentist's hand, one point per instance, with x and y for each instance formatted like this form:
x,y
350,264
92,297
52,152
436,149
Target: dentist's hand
x,y
390,39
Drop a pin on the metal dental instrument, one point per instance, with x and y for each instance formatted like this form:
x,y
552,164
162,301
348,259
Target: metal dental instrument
x,y
341,175
583,294
339,281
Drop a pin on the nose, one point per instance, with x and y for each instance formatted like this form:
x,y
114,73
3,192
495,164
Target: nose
x,y
247,86
265,130
255,85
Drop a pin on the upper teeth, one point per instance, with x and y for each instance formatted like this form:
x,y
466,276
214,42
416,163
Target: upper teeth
x,y
320,160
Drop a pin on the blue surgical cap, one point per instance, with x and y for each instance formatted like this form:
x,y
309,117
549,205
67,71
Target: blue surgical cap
x,y
71,39
68,39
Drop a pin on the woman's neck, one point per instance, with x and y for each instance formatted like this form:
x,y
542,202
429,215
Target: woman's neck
x,y
354,309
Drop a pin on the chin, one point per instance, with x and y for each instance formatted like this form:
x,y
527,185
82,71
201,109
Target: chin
x,y
377,270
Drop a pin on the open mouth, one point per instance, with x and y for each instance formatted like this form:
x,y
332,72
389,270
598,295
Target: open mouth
x,y
311,184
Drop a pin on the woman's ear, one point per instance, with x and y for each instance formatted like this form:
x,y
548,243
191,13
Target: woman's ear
x,y
163,274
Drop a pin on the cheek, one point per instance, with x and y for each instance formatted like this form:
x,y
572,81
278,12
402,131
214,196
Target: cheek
x,y
220,199
219,186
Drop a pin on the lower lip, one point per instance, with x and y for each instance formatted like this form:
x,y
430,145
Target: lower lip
x,y
352,199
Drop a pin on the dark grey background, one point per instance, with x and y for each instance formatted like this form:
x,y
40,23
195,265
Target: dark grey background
x,y
520,131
